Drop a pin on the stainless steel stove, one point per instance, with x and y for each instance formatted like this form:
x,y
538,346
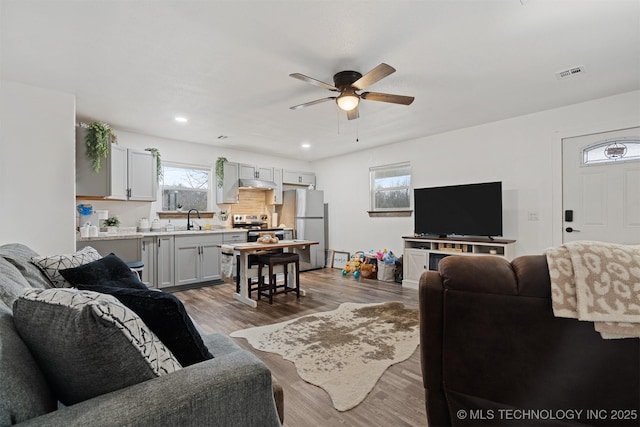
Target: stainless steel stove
x,y
255,224
250,221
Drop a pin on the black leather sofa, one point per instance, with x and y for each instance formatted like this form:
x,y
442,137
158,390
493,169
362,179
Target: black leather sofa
x,y
494,354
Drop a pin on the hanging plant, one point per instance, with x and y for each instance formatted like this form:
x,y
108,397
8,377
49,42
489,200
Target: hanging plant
x,y
99,136
220,170
156,153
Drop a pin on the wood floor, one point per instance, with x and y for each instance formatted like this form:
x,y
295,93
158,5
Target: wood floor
x,y
397,399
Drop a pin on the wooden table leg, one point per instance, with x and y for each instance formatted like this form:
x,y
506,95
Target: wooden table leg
x,y
243,296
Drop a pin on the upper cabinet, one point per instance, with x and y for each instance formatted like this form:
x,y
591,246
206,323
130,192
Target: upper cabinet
x,y
298,178
142,175
255,172
227,190
274,197
125,174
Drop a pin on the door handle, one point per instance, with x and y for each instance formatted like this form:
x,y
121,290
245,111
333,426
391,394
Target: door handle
x,y
571,230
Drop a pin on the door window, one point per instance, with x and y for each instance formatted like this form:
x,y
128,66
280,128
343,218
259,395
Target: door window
x,y
611,151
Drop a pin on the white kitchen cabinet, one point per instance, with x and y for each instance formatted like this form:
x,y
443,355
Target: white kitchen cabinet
x,y
274,196
227,191
125,174
298,178
234,237
246,171
165,267
148,257
197,258
142,175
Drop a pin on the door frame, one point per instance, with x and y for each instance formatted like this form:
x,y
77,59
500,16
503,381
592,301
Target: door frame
x,y
557,219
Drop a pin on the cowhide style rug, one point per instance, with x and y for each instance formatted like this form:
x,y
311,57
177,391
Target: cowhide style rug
x,y
344,351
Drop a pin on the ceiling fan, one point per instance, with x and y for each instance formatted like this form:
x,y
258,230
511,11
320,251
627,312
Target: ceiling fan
x,y
347,83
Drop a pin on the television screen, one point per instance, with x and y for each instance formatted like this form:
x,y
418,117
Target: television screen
x,y
465,210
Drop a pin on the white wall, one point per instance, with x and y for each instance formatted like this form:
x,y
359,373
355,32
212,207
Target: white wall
x,y
37,163
524,153
186,153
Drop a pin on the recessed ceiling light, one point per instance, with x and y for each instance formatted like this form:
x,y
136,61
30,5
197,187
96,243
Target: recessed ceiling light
x,y
180,119
305,145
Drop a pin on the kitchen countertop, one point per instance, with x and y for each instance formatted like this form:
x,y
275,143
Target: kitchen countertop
x,y
137,235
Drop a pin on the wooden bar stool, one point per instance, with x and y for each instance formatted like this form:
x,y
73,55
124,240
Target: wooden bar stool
x,y
273,260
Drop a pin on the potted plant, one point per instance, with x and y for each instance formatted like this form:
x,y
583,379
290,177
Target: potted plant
x,y
112,224
99,136
223,215
179,207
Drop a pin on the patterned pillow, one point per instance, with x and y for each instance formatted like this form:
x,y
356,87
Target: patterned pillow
x,y
166,316
87,343
51,265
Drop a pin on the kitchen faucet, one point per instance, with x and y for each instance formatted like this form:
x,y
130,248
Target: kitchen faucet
x,y
189,225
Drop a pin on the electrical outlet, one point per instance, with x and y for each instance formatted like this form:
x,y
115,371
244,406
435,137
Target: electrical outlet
x,y
532,216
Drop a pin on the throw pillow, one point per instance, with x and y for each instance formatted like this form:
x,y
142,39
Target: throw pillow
x,y
166,316
51,265
107,271
87,343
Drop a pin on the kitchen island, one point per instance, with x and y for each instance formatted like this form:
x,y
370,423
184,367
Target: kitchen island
x,y
242,250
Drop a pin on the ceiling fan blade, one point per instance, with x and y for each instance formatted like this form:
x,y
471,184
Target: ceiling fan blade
x,y
378,73
308,104
353,114
314,81
387,97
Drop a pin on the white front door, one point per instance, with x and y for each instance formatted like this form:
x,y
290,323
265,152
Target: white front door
x,y
601,187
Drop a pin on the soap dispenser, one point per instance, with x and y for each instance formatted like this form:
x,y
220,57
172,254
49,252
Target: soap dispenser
x,y
170,226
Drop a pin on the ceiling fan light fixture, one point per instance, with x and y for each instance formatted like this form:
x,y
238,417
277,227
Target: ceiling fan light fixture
x,y
348,100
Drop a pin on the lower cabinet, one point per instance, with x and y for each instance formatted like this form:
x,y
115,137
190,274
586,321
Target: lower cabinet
x,y
415,262
148,257
197,259
165,266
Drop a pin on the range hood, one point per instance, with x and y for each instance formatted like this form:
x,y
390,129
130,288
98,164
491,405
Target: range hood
x,y
257,184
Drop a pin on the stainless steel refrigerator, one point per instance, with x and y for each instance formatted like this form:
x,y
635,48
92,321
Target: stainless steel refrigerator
x,y
304,210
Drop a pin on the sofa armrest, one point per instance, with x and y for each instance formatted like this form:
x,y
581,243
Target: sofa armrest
x,y
431,304
234,389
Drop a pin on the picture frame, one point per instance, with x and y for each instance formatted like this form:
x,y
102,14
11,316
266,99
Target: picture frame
x,y
340,259
328,258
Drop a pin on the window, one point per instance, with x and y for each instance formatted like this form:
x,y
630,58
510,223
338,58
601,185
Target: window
x,y
612,151
185,187
390,187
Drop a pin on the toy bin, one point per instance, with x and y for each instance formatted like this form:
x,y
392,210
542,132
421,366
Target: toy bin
x,y
386,272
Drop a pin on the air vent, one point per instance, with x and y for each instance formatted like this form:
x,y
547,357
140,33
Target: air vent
x,y
570,72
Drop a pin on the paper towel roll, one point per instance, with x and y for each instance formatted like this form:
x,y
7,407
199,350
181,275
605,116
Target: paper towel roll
x,y
274,219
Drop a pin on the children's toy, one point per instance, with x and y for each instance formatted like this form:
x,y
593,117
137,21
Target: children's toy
x,y
368,271
353,265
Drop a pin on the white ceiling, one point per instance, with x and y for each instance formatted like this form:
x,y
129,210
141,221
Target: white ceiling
x,y
225,65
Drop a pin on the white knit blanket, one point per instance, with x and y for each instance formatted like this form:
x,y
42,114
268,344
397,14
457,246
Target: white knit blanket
x,y
599,282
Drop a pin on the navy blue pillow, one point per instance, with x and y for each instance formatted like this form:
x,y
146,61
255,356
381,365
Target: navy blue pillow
x,y
107,271
166,316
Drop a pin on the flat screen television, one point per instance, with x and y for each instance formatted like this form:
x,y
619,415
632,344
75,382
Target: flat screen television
x,y
465,210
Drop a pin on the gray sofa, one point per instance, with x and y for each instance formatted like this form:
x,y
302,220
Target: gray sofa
x,y
233,389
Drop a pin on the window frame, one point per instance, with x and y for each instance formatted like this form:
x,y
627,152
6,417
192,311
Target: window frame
x,y
208,169
393,211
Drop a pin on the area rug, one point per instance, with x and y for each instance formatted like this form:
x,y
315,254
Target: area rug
x,y
344,351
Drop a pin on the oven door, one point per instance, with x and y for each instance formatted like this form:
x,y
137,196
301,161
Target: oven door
x,y
252,235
